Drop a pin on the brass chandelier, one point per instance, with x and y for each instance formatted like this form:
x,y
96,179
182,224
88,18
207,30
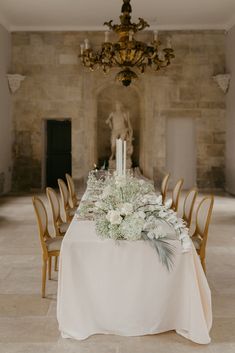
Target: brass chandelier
x,y
127,52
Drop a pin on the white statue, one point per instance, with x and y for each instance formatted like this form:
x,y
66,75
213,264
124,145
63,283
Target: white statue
x,y
120,125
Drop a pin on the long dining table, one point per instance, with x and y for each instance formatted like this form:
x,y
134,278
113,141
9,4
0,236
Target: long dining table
x,y
120,287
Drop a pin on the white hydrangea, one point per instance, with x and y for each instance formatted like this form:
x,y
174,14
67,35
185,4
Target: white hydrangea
x,y
126,209
114,217
129,208
141,214
132,227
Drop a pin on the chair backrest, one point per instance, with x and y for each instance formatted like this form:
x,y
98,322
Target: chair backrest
x,y
176,194
203,216
55,206
70,183
189,205
164,187
71,188
42,220
64,193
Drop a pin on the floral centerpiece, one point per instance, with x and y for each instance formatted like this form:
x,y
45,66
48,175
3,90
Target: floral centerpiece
x,y
128,208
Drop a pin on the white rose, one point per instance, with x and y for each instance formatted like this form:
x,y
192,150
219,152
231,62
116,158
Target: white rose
x,y
142,214
144,199
172,219
168,203
159,200
126,209
158,232
114,217
151,235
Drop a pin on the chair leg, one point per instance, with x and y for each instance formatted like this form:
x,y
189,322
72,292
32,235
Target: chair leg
x,y
56,263
44,275
49,267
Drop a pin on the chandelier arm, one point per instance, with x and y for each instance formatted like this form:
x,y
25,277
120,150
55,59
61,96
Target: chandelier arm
x,y
110,25
142,24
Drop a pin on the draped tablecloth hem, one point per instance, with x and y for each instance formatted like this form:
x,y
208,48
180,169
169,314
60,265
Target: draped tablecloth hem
x,y
181,332
192,338
99,281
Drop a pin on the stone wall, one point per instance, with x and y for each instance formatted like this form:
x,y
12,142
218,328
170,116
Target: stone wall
x,y
5,112
57,86
230,147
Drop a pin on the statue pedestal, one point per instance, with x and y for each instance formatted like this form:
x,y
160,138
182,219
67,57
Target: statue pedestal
x,y
112,163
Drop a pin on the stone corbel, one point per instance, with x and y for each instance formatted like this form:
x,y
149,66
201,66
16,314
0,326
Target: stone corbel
x,y
223,81
14,81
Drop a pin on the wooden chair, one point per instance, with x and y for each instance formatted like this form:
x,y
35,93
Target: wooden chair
x,y
50,246
164,186
176,194
203,217
59,226
73,200
188,206
64,193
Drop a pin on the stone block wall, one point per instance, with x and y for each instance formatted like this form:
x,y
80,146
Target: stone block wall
x,y
230,130
57,86
5,113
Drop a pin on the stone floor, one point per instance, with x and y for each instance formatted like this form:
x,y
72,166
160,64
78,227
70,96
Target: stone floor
x,y
28,323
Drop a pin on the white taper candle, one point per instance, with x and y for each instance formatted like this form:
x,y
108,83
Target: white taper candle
x,y
124,157
120,157
117,155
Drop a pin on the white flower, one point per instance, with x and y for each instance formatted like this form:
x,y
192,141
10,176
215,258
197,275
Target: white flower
x,y
99,204
120,181
162,214
158,232
114,217
168,203
126,209
131,227
159,200
172,219
107,191
151,235
186,244
142,214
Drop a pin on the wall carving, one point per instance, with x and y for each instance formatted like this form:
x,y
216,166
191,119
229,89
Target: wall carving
x,y
223,81
14,81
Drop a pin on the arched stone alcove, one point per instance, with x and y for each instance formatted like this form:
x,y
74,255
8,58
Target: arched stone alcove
x,y
106,99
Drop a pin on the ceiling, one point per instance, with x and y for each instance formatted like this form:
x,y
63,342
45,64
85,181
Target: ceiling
x,y
21,15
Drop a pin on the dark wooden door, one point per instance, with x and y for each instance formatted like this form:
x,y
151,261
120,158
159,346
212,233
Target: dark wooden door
x,y
58,161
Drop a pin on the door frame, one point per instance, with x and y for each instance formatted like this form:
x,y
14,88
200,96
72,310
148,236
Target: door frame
x,y
44,147
193,157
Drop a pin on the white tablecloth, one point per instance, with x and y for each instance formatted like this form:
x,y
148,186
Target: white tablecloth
x,y
122,288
